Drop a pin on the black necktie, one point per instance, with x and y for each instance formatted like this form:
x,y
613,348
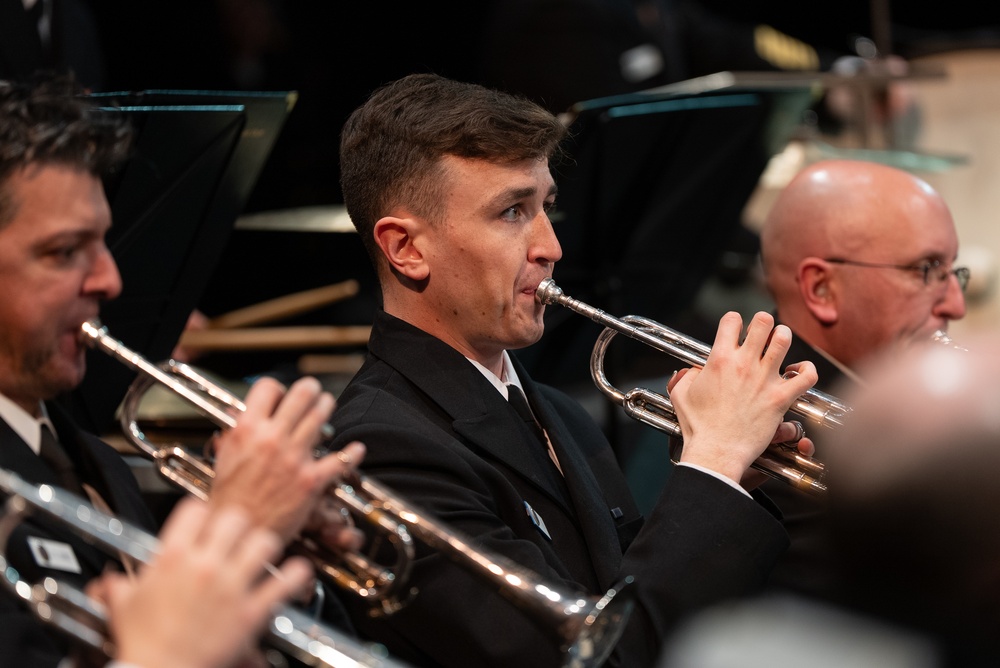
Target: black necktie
x,y
59,461
55,456
520,403
517,399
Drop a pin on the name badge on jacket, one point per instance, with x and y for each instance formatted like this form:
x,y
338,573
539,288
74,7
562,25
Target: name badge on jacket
x,y
537,520
54,554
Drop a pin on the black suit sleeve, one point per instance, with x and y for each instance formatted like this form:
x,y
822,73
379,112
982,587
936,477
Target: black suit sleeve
x,y
704,542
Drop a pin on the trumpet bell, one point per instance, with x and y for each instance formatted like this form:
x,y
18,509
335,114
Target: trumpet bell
x,y
585,627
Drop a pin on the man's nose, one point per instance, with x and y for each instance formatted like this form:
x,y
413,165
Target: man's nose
x,y
952,305
104,280
545,245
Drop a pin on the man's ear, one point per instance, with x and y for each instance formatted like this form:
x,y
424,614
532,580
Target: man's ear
x,y
819,290
397,237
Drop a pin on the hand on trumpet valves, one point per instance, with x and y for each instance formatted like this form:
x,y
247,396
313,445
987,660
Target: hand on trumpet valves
x,y
333,525
204,599
731,409
266,463
789,436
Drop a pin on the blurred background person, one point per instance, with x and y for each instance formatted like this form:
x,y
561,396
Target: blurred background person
x,y
542,48
912,530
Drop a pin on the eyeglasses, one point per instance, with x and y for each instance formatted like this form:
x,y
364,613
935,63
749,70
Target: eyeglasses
x,y
932,270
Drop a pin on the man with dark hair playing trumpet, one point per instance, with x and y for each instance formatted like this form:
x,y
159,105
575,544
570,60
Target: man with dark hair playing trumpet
x,y
449,186
55,270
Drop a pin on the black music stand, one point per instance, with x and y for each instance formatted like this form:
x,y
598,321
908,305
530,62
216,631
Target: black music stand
x,y
174,203
652,192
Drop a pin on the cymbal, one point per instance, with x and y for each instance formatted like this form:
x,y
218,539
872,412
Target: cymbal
x,y
332,218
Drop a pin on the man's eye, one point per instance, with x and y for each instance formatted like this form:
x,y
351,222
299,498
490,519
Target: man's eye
x,y
64,253
511,214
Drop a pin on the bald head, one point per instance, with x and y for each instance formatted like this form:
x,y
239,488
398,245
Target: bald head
x,y
860,212
842,208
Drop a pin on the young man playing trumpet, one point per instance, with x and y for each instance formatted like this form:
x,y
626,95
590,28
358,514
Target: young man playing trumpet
x,y
449,185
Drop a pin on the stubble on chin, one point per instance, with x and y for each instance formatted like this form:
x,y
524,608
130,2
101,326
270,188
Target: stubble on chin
x,y
50,374
533,333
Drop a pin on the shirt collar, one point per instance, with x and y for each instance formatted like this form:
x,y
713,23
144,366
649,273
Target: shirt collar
x,y
509,375
23,423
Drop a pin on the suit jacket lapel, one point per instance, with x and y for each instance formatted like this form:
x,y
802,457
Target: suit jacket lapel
x,y
17,456
592,510
78,447
477,412
102,468
492,432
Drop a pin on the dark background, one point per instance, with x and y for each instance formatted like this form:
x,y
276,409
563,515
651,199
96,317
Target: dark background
x,y
335,53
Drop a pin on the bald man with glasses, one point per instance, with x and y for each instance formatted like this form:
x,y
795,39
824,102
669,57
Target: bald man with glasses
x,y
859,260
859,257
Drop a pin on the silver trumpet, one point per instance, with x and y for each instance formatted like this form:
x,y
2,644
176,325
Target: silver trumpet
x,y
586,627
779,461
384,587
83,619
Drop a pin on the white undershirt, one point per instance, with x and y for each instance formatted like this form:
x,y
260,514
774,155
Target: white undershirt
x,y
507,375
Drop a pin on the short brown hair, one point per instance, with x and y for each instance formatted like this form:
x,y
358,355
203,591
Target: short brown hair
x,y
391,146
49,121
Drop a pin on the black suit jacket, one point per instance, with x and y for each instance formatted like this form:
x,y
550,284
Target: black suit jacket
x,y
806,567
25,640
440,434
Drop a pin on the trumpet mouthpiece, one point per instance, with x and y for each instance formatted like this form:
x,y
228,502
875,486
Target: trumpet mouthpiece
x,y
91,330
548,292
